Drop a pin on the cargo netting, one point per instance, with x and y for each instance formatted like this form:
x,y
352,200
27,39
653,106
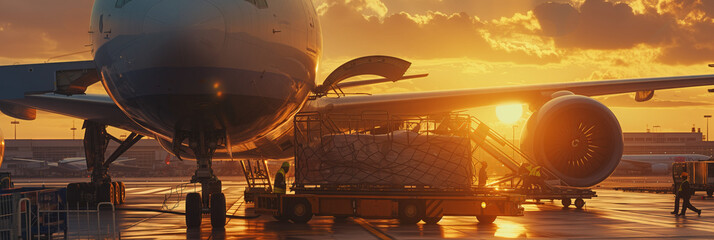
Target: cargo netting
x,y
383,151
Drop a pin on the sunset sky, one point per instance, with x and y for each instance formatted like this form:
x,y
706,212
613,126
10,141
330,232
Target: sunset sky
x,y
460,43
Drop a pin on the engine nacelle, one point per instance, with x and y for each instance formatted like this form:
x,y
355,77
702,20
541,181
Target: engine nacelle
x,y
575,137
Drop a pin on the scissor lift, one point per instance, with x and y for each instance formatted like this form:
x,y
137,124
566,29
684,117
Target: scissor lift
x,y
496,145
257,178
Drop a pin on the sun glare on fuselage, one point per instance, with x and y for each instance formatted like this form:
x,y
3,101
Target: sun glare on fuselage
x,y
509,113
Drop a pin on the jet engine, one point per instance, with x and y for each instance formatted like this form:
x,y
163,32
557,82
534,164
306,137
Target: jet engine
x,y
576,138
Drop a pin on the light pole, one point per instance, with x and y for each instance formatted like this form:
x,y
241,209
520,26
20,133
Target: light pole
x,y
74,130
707,117
15,122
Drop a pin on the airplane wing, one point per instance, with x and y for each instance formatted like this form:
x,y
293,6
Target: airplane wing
x,y
444,101
59,88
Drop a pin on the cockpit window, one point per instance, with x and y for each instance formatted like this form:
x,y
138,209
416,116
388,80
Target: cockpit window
x,y
121,3
261,4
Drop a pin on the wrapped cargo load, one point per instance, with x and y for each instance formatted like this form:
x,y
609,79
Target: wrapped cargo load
x,y
399,158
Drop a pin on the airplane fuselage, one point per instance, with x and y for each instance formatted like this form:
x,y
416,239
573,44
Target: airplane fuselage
x,y
242,68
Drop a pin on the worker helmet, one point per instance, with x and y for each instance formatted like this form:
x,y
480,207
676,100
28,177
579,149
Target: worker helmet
x,y
285,165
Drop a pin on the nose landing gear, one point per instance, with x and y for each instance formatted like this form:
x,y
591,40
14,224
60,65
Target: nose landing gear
x,y
211,199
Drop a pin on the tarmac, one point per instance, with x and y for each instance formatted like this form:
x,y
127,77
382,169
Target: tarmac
x,y
613,214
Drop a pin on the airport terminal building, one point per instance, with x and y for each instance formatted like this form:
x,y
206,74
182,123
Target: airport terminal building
x,y
667,143
150,158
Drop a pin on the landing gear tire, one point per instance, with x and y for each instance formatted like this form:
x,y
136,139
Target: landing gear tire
x,y
106,193
300,211
115,195
579,203
73,195
87,195
122,192
486,219
193,210
218,211
410,212
566,202
432,220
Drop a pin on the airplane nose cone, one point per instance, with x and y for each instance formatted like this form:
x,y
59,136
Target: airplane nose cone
x,y
185,29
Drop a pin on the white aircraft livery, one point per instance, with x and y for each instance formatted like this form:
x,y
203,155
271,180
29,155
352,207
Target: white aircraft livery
x,y
657,163
222,79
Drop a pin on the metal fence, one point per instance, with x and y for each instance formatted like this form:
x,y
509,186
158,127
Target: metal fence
x,y
44,214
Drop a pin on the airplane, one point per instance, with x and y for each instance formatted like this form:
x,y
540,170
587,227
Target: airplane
x,y
657,163
74,164
214,80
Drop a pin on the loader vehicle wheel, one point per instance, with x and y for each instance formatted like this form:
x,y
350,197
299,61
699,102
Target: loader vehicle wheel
x,y
579,203
432,220
710,193
300,210
566,202
281,218
486,219
410,212
193,210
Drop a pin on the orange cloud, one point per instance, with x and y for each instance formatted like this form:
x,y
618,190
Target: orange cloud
x,y
349,33
43,28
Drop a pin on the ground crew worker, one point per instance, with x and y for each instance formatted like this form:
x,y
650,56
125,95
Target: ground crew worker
x,y
279,185
482,175
523,172
685,192
677,196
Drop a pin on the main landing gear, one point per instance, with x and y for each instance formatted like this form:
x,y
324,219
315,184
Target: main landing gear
x,y
101,188
211,199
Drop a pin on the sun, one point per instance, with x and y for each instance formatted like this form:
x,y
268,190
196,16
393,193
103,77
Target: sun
x,y
509,113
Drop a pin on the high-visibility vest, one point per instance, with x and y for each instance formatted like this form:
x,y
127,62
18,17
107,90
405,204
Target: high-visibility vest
x,y
535,171
680,185
279,189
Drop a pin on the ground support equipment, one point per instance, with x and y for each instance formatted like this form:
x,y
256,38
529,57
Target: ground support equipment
x,y
408,207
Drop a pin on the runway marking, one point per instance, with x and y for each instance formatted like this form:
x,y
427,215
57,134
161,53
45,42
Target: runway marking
x,y
150,191
371,229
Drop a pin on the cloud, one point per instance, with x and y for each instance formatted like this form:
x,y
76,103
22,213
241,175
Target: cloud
x,y
43,28
349,32
628,100
598,24
681,31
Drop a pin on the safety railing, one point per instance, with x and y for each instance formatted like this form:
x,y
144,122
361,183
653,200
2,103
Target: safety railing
x,y
44,214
